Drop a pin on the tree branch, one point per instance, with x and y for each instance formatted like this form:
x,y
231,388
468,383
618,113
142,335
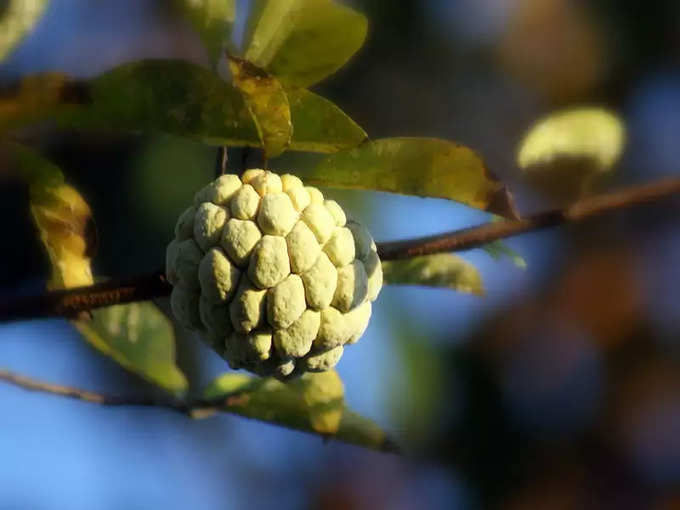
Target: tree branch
x,y
475,237
69,303
194,407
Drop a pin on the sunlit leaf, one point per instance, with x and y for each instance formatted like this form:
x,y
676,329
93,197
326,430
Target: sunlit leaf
x,y
17,19
171,97
302,41
62,216
416,166
319,125
498,249
140,338
213,20
441,270
566,152
314,403
267,102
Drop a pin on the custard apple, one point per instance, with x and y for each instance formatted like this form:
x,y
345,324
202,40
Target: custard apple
x,y
275,278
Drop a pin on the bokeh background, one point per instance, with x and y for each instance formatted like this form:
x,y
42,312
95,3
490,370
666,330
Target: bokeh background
x,y
559,389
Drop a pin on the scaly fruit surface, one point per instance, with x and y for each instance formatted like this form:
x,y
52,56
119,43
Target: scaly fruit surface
x,y
275,277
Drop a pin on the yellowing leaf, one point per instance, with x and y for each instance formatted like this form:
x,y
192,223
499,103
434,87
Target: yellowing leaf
x,y
63,219
213,20
267,102
140,338
314,403
17,19
137,336
565,152
416,166
303,41
441,270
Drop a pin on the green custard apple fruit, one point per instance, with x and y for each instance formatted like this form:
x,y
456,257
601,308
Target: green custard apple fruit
x,y
273,276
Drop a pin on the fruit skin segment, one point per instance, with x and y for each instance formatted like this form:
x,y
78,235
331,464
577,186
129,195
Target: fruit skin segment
x,y
274,277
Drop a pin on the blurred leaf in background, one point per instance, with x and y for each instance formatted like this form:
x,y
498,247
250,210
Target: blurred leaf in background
x,y
417,391
17,19
302,41
558,48
566,154
441,270
213,20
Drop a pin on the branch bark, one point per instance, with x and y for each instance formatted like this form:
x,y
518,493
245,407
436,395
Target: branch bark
x,y
477,236
194,407
69,303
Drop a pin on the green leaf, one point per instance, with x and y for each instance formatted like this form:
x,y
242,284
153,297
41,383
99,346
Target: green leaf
x,y
17,19
302,41
148,96
441,270
175,97
567,152
172,97
267,102
498,249
62,217
314,403
213,20
140,338
319,125
416,166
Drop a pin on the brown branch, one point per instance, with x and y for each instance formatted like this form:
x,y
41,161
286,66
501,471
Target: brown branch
x,y
195,407
475,237
71,302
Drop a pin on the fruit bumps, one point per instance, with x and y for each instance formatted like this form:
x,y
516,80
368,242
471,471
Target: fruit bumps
x,y
275,278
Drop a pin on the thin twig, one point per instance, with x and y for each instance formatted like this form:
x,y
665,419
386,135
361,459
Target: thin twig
x,y
475,237
69,303
189,407
195,408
